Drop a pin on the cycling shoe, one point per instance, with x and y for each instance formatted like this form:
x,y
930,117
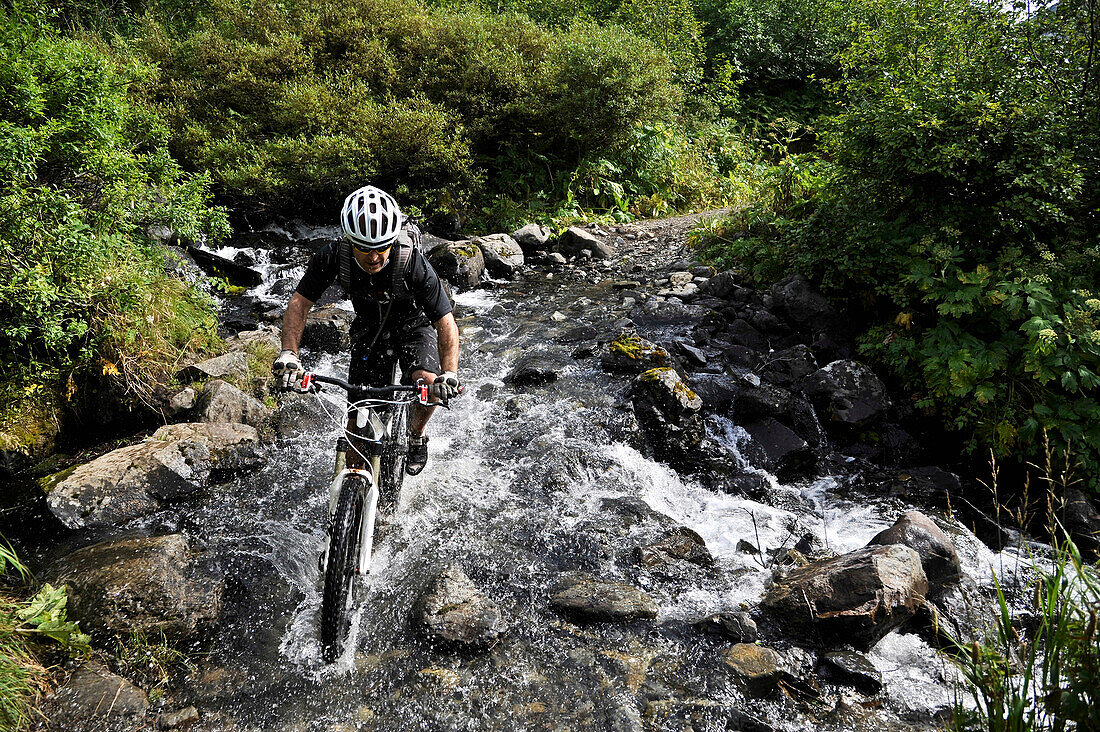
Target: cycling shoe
x,y
418,455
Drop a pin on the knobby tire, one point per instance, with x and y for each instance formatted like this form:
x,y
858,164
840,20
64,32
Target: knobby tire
x,y
340,572
392,466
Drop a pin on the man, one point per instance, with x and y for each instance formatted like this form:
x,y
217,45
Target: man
x,y
402,314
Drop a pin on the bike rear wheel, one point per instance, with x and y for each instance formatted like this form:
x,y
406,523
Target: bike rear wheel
x,y
340,572
395,450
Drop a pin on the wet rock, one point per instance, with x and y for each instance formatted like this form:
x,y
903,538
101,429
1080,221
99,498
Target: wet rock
x,y
742,333
300,414
691,355
575,241
789,367
853,599
221,267
758,400
777,449
847,396
741,357
681,543
176,462
1082,519
959,615
737,626
703,271
222,402
459,262
233,365
96,700
328,329
532,238
147,585
179,719
723,285
702,714
582,596
798,301
851,667
577,334
936,550
503,256
534,369
630,354
669,413
758,669
454,611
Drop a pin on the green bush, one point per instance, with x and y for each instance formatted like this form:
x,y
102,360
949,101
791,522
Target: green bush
x,y
84,293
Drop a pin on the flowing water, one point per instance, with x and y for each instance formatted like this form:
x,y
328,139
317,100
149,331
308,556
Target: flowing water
x,y
522,484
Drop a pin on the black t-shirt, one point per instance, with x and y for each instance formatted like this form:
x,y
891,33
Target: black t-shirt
x,y
423,301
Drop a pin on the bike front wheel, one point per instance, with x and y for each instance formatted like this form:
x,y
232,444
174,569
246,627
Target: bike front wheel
x,y
340,571
395,450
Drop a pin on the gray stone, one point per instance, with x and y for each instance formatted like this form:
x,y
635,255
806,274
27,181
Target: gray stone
x,y
724,285
532,238
798,301
455,612
742,333
460,262
669,412
576,240
758,669
937,551
555,258
147,585
95,700
583,596
631,354
534,369
328,329
179,719
737,626
758,400
679,279
690,715
1082,519
846,395
267,337
777,449
679,544
851,667
231,365
854,599
503,256
222,402
132,481
181,401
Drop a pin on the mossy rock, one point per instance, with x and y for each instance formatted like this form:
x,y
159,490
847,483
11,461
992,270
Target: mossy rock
x,y
631,354
29,430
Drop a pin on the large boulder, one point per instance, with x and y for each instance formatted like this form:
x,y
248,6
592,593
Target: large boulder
x,y
535,368
232,365
532,238
503,256
455,612
854,599
176,462
266,338
669,412
576,240
95,700
799,302
585,597
222,402
218,266
148,585
776,448
936,550
328,329
630,354
459,262
847,396
757,669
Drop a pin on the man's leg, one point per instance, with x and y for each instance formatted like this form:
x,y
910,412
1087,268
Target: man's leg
x,y
421,414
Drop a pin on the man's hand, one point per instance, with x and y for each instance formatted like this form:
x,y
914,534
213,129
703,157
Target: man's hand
x,y
447,386
286,368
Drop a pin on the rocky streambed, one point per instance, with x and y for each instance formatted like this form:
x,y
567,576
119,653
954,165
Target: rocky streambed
x,y
666,501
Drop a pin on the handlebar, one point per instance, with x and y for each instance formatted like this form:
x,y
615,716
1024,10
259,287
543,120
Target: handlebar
x,y
311,382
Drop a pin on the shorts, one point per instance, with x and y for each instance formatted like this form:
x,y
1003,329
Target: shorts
x,y
414,349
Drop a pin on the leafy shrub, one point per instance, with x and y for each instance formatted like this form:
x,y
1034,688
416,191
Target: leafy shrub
x,y
84,293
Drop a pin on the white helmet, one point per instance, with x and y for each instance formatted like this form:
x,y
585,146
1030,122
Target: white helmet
x,y
371,219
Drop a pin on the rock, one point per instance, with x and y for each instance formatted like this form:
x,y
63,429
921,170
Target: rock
x,y
669,413
180,719
455,612
555,258
148,585
959,615
1082,519
233,365
181,401
267,337
585,597
576,240
221,267
176,462
681,543
534,369
777,449
691,355
631,354
679,279
222,402
758,669
758,400
503,256
798,301
703,271
328,329
532,238
723,285
937,552
96,700
691,715
737,626
577,334
855,599
460,262
789,367
847,396
741,333
850,667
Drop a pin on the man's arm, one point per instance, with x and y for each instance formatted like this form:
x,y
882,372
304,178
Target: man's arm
x,y
294,323
446,330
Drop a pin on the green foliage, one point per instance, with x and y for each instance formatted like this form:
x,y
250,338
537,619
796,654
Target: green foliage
x,y
1049,679
955,200
150,662
84,173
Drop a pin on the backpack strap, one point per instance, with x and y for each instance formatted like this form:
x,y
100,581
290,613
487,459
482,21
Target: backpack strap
x,y
344,256
400,264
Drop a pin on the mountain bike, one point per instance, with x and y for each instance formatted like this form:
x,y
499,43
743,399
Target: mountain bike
x,y
381,438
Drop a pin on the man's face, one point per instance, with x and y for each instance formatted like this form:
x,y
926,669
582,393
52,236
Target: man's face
x,y
371,261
